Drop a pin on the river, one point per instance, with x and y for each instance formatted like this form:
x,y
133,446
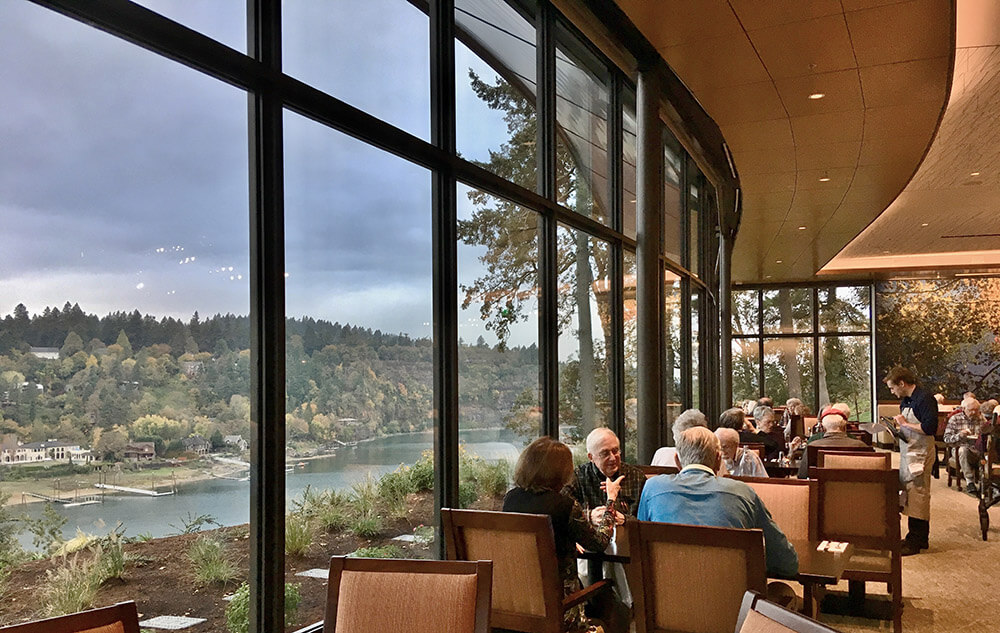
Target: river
x,y
228,501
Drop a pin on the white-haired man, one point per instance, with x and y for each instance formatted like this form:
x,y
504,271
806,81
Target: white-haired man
x,y
834,421
739,461
605,462
696,496
962,432
666,455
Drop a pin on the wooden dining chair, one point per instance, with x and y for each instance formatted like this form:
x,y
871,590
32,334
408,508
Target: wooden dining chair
x,y
689,578
527,590
812,451
862,460
118,618
416,596
653,471
754,446
793,504
759,615
862,507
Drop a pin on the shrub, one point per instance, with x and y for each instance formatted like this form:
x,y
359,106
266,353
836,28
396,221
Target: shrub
x,y
193,524
422,472
109,556
333,517
238,611
393,488
70,588
379,551
365,496
212,562
298,534
46,530
467,493
366,526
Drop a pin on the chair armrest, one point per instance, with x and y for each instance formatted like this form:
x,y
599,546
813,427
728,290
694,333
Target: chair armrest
x,y
585,594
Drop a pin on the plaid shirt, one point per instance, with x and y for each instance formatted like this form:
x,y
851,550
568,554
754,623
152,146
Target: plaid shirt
x,y
958,421
586,488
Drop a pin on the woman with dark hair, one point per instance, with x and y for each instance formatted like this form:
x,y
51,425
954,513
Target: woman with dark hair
x,y
544,468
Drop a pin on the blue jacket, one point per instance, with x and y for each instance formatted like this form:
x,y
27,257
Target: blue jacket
x,y
696,496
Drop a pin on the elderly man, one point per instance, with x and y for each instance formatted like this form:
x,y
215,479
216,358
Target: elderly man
x,y
767,432
834,422
696,496
605,462
665,455
739,461
962,432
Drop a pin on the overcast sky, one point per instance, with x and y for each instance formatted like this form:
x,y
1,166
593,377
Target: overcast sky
x,y
123,175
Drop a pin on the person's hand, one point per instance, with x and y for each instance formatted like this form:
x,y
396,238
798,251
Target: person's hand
x,y
612,487
965,432
899,420
596,514
619,517
794,444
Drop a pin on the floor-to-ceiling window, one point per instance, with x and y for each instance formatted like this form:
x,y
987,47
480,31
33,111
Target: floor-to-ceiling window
x,y
356,253
811,343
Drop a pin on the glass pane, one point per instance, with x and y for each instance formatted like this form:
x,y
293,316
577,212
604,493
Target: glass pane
x,y
695,362
673,156
581,129
844,309
359,412
630,445
629,151
495,89
673,393
123,184
225,21
845,374
693,214
331,45
498,397
788,369
584,334
745,312
746,369
788,310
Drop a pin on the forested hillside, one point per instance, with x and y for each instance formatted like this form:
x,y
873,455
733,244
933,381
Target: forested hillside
x,y
127,376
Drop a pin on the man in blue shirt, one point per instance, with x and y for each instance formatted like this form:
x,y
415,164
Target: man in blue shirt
x,y
917,424
696,496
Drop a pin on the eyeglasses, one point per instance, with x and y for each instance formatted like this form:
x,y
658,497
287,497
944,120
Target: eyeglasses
x,y
609,452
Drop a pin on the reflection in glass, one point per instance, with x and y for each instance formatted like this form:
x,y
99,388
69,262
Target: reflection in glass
x,y
359,361
673,392
584,333
695,364
330,45
630,443
845,309
788,369
746,368
123,185
845,373
495,89
788,310
498,346
745,312
629,174
582,97
673,157
695,196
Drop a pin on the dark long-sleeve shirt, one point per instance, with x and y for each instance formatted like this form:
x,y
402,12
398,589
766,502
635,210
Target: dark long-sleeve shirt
x,y
924,408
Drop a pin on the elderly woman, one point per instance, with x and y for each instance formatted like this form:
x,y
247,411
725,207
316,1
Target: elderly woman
x,y
544,468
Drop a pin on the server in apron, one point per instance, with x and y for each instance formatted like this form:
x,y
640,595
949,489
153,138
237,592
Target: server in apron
x,y
917,423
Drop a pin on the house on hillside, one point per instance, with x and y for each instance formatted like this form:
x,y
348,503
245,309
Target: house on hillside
x,y
197,444
47,353
13,451
236,441
140,451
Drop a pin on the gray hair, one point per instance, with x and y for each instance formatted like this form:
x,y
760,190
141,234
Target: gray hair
x,y
833,423
698,445
596,436
727,436
761,412
687,420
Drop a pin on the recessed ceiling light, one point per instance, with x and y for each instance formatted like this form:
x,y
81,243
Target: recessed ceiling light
x,y
767,276
824,178
924,224
816,95
802,228
975,173
777,261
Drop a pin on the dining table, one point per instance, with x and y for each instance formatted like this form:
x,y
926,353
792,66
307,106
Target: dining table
x,y
818,566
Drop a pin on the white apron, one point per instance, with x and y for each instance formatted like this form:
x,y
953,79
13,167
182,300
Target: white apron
x,y
916,458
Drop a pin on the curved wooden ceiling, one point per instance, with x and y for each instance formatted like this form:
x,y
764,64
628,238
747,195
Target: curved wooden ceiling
x,y
814,172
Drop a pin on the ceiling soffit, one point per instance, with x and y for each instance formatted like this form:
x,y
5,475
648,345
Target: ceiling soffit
x,y
884,71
